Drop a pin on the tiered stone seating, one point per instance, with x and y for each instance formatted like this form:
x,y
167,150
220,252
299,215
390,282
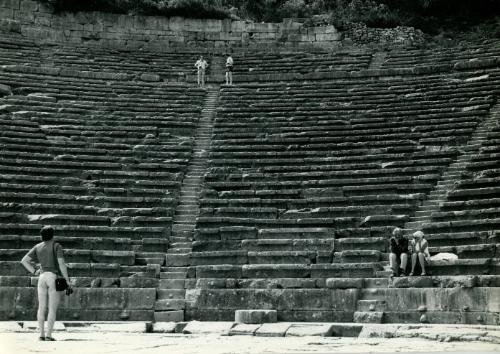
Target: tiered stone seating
x,y
101,158
299,62
452,56
307,181
468,222
150,66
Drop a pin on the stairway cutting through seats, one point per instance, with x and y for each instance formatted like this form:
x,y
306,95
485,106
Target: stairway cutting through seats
x,y
452,175
170,301
371,305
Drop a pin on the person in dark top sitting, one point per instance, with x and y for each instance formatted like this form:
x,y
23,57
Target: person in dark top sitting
x,y
50,256
399,253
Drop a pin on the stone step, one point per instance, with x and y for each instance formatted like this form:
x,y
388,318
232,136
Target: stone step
x,y
372,305
383,273
368,317
181,245
185,219
173,269
376,282
179,250
182,227
169,316
180,259
173,275
163,294
171,284
421,213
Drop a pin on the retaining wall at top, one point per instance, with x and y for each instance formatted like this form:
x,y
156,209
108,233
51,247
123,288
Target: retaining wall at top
x,y
38,22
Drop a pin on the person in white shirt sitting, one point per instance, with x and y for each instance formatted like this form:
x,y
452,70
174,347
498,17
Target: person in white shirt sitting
x,y
420,251
201,64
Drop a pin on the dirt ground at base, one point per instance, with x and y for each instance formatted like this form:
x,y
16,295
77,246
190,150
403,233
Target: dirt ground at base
x,y
140,343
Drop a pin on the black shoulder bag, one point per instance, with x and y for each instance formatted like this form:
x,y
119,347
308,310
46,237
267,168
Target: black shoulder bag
x,y
61,283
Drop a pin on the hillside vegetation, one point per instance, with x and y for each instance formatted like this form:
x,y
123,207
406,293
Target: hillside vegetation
x,y
430,16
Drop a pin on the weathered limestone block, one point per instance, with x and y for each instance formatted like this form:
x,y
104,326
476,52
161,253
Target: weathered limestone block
x,y
150,77
303,330
110,298
345,283
138,282
255,316
219,271
273,329
276,271
206,327
368,317
169,316
412,282
242,329
5,90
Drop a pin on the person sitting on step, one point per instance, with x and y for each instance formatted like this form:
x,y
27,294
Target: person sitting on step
x,y
398,257
420,251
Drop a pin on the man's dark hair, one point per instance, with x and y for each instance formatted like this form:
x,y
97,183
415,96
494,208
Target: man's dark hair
x,y
47,233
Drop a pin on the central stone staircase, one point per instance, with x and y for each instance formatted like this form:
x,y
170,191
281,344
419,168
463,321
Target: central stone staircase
x,y
170,301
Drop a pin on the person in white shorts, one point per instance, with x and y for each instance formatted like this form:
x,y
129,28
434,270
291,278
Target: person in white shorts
x,y
201,64
47,253
229,70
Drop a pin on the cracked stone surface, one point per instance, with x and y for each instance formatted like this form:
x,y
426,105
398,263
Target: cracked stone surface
x,y
128,338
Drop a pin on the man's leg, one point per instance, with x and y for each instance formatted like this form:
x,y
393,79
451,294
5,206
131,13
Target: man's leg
x,y
421,259
54,298
404,263
203,77
230,78
199,77
394,264
42,304
227,77
413,262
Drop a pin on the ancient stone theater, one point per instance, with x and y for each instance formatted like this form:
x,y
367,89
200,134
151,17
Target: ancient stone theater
x,y
278,194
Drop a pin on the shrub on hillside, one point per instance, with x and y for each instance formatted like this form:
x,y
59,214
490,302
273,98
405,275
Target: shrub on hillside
x,y
168,8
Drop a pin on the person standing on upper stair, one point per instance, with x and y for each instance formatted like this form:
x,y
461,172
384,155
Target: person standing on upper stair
x,y
229,70
201,64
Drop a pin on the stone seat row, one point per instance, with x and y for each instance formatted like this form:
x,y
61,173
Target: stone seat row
x,y
335,157
249,232
172,165
87,219
91,175
479,266
88,243
134,233
102,201
51,181
145,147
314,201
86,270
79,282
114,84
175,158
307,173
78,256
295,121
291,164
444,281
359,211
89,207
309,191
